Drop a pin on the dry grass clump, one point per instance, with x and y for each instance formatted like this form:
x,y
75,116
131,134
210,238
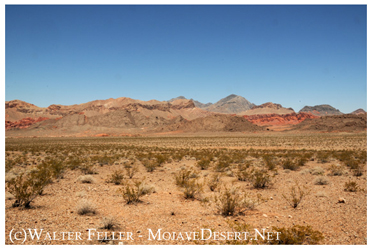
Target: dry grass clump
x,y
86,179
296,195
321,181
297,235
109,223
86,207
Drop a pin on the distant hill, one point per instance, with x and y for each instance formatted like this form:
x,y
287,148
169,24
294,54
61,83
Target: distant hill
x,y
321,110
231,104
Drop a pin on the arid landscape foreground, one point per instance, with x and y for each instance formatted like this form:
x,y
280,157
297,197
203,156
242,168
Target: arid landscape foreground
x,y
309,187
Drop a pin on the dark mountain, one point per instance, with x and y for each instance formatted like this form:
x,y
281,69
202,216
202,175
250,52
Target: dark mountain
x,y
321,110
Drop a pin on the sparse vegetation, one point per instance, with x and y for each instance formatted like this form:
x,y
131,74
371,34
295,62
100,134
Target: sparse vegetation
x,y
86,207
133,191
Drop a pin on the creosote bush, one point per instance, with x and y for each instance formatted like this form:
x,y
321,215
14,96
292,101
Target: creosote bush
x,y
133,191
259,178
297,235
289,164
25,188
232,201
185,175
116,177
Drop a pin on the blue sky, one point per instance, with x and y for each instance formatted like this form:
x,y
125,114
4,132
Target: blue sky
x,y
292,55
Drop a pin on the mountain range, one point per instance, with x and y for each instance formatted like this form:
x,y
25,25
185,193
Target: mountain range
x,y
126,116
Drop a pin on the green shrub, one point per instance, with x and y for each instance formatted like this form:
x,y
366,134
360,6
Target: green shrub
x,y
297,235
25,188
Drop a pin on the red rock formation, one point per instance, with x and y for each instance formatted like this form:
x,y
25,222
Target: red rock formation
x,y
23,123
277,120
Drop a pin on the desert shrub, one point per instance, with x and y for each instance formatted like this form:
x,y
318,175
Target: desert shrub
x,y
214,182
336,170
269,162
351,186
289,164
184,175
131,170
150,165
25,188
86,179
86,207
242,175
221,166
296,195
240,227
203,164
109,223
192,189
132,192
231,202
302,161
321,181
56,166
260,178
297,235
116,177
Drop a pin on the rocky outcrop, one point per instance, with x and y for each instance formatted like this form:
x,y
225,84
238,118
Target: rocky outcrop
x,y
276,119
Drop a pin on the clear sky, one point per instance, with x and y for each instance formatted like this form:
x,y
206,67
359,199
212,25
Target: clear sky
x,y
292,55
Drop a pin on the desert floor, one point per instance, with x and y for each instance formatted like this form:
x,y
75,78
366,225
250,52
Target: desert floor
x,y
341,216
